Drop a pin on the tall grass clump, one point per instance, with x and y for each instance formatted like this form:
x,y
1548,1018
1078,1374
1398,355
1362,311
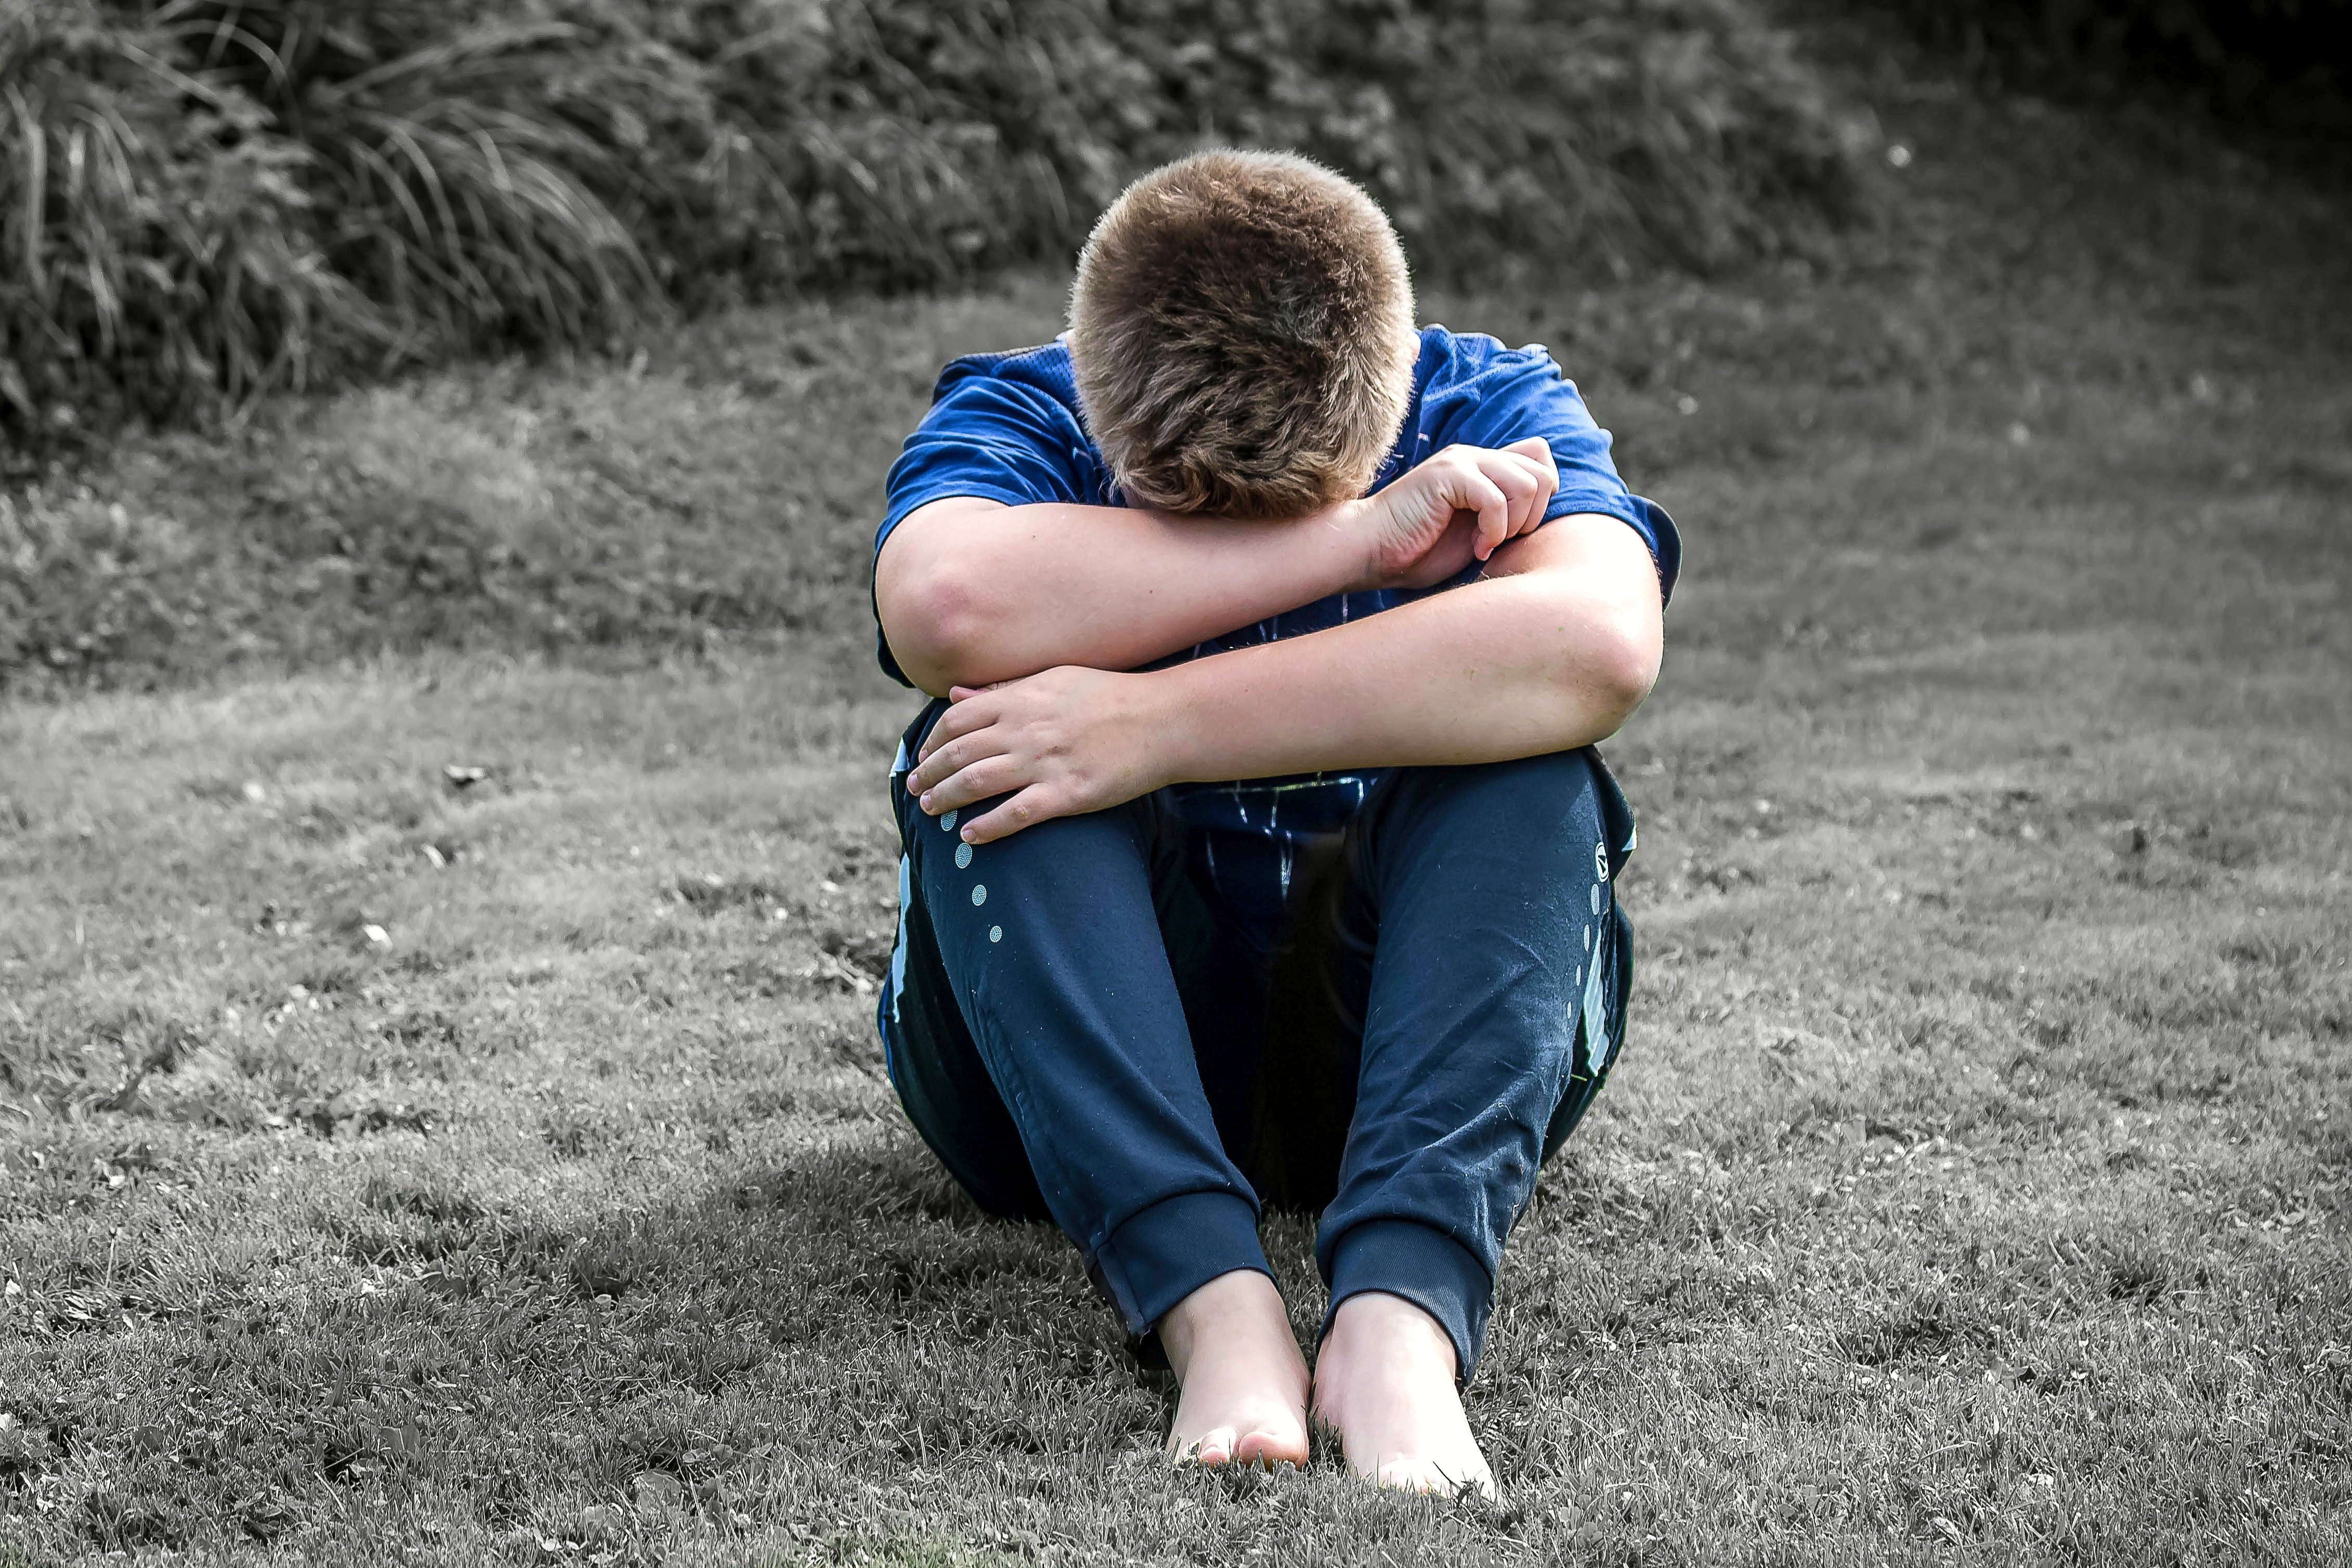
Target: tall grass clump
x,y
464,159
156,245
209,197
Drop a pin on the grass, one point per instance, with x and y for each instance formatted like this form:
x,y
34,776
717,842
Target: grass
x,y
498,1168
599,515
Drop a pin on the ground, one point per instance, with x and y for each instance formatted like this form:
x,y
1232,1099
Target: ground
x,y
443,1118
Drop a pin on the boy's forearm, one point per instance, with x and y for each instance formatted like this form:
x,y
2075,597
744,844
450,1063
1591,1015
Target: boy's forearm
x,y
1524,662
972,591
1553,648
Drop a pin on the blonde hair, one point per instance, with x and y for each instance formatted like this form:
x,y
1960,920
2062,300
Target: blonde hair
x,y
1242,329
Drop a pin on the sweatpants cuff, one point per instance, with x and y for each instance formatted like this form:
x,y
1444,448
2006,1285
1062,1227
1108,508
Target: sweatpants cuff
x,y
1159,1255
1428,1268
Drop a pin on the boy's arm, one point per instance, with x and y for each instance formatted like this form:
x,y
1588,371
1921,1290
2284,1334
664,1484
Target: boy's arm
x,y
1553,648
972,591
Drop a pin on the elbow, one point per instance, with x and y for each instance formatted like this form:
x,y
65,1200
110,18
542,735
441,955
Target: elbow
x,y
936,624
1617,669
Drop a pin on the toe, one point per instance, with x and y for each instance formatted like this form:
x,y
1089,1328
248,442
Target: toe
x,y
1405,1475
1215,1446
1271,1448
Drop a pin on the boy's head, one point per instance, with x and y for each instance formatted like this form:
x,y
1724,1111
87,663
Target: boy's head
x,y
1243,331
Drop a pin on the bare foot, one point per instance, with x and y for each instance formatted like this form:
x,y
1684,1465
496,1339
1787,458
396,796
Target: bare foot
x,y
1244,1383
1384,1381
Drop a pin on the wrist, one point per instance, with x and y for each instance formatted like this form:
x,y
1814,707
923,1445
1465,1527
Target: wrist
x,y
1167,715
1354,536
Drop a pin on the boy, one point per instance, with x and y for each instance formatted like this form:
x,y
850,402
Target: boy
x,y
1317,911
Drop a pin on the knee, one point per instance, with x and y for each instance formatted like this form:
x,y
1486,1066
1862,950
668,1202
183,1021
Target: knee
x,y
910,742
1569,770
1519,794
1568,773
1059,852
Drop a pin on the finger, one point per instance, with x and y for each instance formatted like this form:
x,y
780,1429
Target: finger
x,y
1546,480
999,774
1494,510
1032,805
1514,475
953,757
1537,453
960,719
1546,477
1534,447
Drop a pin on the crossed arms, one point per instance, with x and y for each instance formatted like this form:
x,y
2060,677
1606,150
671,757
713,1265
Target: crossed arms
x,y
1028,617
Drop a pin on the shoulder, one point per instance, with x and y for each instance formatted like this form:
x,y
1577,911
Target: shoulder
x,y
1042,374
1451,359
1470,387
1005,426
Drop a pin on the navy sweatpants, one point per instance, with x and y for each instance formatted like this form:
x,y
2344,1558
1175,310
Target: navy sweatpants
x,y
1081,1027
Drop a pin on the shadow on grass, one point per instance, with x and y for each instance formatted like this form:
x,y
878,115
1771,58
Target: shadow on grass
x,y
842,1309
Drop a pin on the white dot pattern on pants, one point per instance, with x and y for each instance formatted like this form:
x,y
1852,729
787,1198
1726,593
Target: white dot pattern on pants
x,y
979,893
947,823
963,855
996,933
1596,898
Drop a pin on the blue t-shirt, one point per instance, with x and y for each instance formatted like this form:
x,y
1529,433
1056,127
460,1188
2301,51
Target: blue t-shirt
x,y
1008,427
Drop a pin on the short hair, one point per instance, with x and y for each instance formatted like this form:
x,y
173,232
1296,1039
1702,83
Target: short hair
x,y
1242,330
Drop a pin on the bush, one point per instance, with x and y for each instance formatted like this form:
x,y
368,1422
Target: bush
x,y
911,141
262,187
2288,62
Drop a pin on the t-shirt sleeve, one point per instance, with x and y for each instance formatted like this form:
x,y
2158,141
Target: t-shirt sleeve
x,y
988,437
985,436
1518,393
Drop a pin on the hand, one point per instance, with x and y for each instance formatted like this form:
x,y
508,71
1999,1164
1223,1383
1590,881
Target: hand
x,y
1456,508
1063,742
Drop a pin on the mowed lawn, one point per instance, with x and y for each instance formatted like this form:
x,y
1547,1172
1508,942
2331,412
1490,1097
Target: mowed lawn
x,y
441,1119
